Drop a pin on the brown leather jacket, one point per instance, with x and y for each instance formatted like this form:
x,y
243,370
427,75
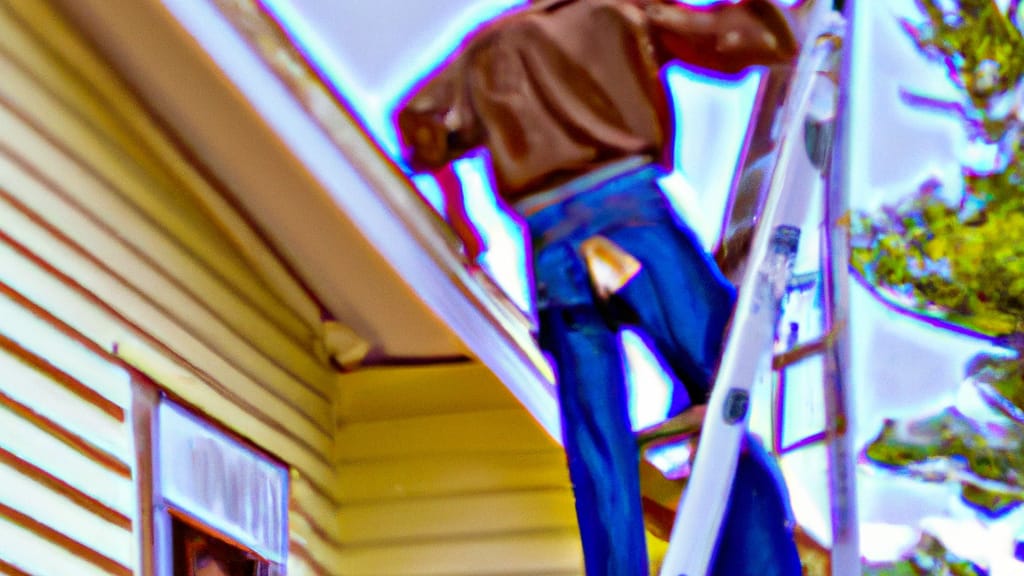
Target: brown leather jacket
x,y
560,87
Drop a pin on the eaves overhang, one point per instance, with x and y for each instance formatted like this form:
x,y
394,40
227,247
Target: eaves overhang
x,y
294,160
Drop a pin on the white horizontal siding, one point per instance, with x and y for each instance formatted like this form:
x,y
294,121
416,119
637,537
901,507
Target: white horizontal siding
x,y
43,450
139,185
33,555
77,85
52,473
128,282
29,497
85,315
66,354
32,388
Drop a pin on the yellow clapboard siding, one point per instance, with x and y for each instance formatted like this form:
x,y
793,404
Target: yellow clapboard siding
x,y
181,287
186,308
513,554
301,534
67,66
457,517
312,521
35,446
42,339
28,552
303,531
31,58
171,209
314,508
154,321
494,432
397,392
38,392
172,275
448,475
30,498
236,410
303,562
454,478
57,121
265,432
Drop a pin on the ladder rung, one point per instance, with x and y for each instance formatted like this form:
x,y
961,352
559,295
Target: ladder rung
x,y
804,351
801,352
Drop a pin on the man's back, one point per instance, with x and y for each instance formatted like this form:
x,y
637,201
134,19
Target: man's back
x,y
561,87
552,91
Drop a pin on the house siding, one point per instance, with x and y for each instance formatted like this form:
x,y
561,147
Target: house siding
x,y
449,476
119,258
121,262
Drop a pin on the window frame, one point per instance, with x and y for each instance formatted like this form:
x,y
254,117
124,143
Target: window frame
x,y
156,514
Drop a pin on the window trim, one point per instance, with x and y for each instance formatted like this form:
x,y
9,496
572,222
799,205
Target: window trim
x,y
155,512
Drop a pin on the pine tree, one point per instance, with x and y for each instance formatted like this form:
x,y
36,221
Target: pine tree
x,y
964,261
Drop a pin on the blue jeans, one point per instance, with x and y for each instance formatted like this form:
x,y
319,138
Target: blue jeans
x,y
679,299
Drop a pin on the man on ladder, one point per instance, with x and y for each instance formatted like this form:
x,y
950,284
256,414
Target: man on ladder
x,y
567,98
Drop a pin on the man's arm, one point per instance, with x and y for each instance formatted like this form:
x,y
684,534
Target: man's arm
x,y
457,216
723,37
437,125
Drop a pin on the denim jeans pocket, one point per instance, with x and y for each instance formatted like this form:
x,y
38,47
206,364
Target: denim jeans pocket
x,y
561,277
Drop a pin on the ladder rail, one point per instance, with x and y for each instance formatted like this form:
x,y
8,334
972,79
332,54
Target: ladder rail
x,y
846,558
747,351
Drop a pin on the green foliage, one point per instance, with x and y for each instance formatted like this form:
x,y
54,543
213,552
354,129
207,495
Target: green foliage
x,y
987,460
1000,380
981,47
968,266
961,260
928,557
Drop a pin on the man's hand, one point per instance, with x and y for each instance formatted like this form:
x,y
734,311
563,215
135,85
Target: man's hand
x,y
724,37
437,124
757,30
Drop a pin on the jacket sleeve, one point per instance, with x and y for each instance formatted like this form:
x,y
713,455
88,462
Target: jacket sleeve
x,y
438,124
723,37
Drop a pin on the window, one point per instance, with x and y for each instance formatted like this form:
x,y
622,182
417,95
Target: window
x,y
210,504
197,553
